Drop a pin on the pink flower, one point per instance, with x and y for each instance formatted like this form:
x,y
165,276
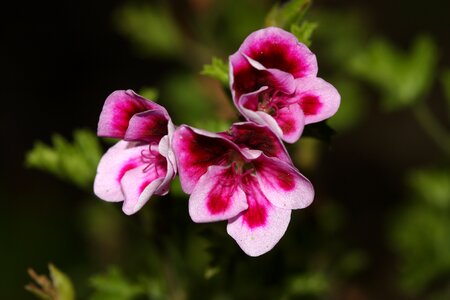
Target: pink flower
x,y
244,176
142,163
273,82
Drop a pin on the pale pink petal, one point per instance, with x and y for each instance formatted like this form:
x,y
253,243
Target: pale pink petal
x,y
291,121
166,151
318,99
117,111
149,126
140,183
282,183
195,151
259,228
217,196
115,163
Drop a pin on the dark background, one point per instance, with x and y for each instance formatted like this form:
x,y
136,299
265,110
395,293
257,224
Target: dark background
x,y
60,61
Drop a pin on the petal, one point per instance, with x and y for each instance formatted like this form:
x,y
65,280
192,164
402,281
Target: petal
x,y
166,151
217,196
259,228
117,111
318,99
283,184
115,163
140,184
149,126
195,151
273,48
247,108
258,137
274,78
291,121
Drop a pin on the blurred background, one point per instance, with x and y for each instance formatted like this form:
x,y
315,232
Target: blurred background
x,y
380,224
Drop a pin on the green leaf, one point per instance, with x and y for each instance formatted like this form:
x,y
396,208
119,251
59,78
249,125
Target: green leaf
x,y
432,186
287,14
114,286
149,93
218,69
403,78
75,162
151,28
63,284
57,287
304,31
309,284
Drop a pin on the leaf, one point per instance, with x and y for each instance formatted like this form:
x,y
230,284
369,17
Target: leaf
x,y
304,31
403,78
309,284
287,14
57,287
114,286
218,69
151,28
149,93
75,162
63,284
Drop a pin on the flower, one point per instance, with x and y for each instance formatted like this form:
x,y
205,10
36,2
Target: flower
x,y
142,163
273,78
244,176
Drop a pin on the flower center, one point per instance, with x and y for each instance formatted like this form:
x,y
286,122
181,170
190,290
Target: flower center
x,y
150,157
266,103
240,166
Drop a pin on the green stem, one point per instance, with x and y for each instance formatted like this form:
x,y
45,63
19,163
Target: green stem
x,y
432,127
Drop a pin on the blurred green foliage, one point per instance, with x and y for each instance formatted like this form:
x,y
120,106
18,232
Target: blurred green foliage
x,y
421,233
143,24
315,260
218,69
75,162
57,287
403,78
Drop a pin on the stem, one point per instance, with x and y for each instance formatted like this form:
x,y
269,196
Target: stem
x,y
432,127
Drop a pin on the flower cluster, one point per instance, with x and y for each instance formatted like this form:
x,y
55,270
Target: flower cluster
x,y
243,175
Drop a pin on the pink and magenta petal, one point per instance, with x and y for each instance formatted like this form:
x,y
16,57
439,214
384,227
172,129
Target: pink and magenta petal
x,y
140,183
196,150
217,196
318,99
273,48
291,121
258,137
149,126
259,228
115,163
282,183
117,111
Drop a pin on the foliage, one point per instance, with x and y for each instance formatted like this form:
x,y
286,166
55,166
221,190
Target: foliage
x,y
318,261
57,287
75,162
404,78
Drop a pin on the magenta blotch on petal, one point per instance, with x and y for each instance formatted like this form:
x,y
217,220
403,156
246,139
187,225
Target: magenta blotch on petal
x,y
217,196
259,228
117,111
